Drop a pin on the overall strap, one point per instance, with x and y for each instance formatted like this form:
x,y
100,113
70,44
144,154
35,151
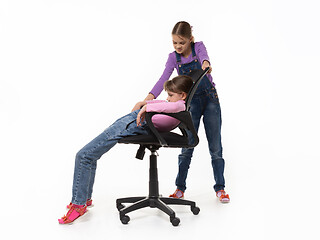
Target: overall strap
x,y
178,56
193,50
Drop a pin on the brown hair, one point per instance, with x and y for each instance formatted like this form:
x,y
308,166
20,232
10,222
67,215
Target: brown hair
x,y
182,29
179,84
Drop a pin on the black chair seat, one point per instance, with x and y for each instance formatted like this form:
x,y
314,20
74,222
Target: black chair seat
x,y
173,140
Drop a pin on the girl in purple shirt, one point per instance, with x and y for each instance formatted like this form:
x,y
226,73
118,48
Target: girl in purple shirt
x,y
128,125
187,56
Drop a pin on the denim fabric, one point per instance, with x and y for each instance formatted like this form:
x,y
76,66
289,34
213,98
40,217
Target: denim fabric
x,y
86,158
205,103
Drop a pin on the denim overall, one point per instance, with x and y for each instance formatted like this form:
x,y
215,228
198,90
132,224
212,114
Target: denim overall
x,y
205,102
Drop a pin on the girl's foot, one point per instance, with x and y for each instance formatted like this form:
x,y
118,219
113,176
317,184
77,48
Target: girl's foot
x,y
74,212
223,197
88,203
177,194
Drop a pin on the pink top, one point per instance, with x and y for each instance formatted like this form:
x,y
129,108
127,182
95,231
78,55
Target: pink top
x,y
164,123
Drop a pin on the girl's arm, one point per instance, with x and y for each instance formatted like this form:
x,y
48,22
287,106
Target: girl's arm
x,y
203,56
158,87
166,107
142,103
146,101
161,106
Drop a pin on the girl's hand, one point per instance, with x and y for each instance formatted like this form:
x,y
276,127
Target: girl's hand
x,y
141,104
138,106
141,115
206,64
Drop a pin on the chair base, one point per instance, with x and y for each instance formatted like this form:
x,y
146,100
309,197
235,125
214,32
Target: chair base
x,y
154,200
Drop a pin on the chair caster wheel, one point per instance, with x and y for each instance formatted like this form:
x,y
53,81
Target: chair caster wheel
x,y
175,221
125,219
195,210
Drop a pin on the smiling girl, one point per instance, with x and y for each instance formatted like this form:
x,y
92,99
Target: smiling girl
x,y
189,55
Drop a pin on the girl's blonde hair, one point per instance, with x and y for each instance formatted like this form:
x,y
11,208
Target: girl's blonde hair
x,y
179,84
183,29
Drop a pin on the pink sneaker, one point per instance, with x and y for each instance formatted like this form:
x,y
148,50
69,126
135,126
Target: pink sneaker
x,y
223,197
88,203
73,214
177,194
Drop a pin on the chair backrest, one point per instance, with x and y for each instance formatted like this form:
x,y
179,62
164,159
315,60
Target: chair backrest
x,y
196,75
170,139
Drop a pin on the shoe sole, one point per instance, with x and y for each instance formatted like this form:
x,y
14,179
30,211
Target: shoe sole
x,y
177,197
225,201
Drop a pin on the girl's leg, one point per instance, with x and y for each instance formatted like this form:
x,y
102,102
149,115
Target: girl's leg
x,y
85,167
212,125
85,164
184,164
92,178
186,153
86,158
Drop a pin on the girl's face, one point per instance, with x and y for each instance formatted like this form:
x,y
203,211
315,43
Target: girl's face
x,y
181,44
174,97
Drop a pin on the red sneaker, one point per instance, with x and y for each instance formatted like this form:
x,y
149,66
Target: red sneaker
x,y
223,197
88,203
177,194
73,214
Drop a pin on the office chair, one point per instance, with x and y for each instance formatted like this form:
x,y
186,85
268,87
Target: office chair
x,y
155,141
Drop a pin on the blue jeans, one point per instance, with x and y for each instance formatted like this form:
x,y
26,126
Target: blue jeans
x,y
205,103
86,158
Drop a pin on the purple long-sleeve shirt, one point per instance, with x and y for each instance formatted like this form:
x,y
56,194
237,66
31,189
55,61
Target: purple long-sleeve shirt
x,y
201,55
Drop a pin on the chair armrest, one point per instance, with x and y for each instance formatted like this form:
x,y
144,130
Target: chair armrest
x,y
183,116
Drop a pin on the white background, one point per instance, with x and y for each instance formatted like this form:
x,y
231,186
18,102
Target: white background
x,y
68,69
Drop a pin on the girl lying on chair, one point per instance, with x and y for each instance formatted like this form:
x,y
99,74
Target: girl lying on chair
x,y
129,125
